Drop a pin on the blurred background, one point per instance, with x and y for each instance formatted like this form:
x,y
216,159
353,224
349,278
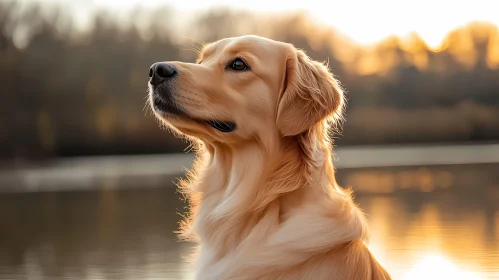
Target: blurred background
x,y
87,177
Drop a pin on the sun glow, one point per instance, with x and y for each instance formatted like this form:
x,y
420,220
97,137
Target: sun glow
x,y
366,22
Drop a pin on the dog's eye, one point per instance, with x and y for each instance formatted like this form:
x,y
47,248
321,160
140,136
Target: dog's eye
x,y
238,65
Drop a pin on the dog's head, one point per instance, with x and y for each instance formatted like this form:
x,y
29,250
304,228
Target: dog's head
x,y
242,89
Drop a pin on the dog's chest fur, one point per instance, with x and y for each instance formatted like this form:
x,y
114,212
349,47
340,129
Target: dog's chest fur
x,y
250,228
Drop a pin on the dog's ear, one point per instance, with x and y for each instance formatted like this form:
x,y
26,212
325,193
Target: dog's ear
x,y
311,94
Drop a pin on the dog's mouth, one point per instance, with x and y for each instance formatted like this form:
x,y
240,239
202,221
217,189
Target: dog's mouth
x,y
222,126
167,107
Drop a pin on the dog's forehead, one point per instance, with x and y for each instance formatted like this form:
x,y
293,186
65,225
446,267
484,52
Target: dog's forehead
x,y
249,43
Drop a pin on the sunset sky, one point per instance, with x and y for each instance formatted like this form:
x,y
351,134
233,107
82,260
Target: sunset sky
x,y
363,21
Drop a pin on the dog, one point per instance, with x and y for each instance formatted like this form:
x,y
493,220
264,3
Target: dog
x,y
264,202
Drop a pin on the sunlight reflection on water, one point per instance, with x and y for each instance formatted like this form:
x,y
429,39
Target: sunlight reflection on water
x,y
436,267
441,237
448,233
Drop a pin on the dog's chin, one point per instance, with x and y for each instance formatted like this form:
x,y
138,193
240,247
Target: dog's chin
x,y
173,116
180,119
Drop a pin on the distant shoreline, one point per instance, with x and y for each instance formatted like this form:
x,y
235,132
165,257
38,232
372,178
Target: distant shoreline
x,y
87,172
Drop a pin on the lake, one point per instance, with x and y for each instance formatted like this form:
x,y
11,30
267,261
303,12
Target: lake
x,y
428,222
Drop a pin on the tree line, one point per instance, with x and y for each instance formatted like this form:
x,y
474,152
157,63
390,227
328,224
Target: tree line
x,y
66,92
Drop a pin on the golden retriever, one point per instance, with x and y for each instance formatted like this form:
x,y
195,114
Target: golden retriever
x,y
264,202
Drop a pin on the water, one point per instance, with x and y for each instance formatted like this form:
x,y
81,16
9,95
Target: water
x,y
428,222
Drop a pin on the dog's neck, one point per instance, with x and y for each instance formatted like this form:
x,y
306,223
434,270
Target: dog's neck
x,y
249,195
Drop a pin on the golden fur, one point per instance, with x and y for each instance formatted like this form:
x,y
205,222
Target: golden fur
x,y
264,200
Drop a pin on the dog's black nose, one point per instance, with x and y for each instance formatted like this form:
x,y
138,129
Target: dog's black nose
x,y
161,71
